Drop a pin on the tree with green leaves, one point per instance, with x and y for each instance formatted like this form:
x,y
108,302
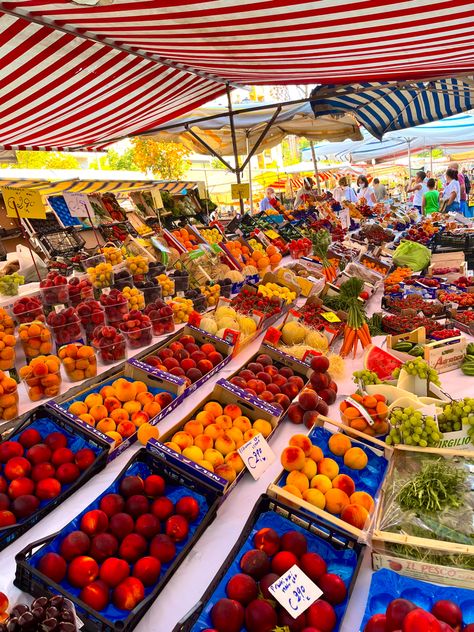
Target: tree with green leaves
x,y
46,160
166,160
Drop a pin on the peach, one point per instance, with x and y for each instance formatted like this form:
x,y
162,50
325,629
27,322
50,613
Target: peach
x,y
121,525
204,442
113,571
106,425
336,500
17,467
78,408
339,444
145,398
42,470
344,482
119,414
128,593
112,504
124,391
74,544
226,471
67,473
117,439
214,408
321,482
303,442
292,458
162,508
298,479
356,515
107,391
233,411
193,427
223,421
310,468
328,467
93,399
263,426
95,595
294,491
147,570
55,440
132,407
316,453
235,461
163,548
24,506
140,417
88,419
39,453
137,505
131,485
242,423
183,439
214,457
363,499
147,525
224,444
132,547
83,570
103,545
315,497
205,464
250,434
235,434
94,521
173,446
213,431
154,485
163,399
152,409
193,453
126,429
53,566
205,417
355,458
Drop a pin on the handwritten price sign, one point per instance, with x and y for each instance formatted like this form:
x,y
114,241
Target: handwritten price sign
x,y
257,455
295,591
25,203
79,205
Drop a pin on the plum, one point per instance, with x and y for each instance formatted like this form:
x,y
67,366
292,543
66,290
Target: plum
x,y
447,611
376,623
418,620
227,615
396,612
260,616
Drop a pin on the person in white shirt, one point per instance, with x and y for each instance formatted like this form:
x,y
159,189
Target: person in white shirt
x,y
365,191
452,192
418,187
344,192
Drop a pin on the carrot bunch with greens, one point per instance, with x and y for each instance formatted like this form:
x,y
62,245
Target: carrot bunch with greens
x,y
356,329
321,242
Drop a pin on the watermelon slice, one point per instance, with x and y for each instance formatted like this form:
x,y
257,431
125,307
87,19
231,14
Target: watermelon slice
x,y
380,362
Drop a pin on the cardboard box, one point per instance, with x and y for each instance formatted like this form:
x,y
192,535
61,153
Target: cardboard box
x,y
381,267
202,337
225,393
448,260
132,370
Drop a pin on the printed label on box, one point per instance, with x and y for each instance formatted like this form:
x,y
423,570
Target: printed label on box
x,y
331,317
257,455
295,591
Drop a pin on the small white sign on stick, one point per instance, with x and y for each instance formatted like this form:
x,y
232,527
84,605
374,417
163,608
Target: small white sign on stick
x,y
295,591
257,455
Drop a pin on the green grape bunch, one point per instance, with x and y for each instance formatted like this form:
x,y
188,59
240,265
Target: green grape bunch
x,y
411,427
9,284
420,368
456,415
366,377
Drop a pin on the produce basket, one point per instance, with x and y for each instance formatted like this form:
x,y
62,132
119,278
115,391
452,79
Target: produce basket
x,y
63,242
144,463
45,421
341,552
418,541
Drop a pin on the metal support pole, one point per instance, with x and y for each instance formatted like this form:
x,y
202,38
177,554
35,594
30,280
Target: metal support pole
x,y
409,159
431,161
249,163
315,163
238,172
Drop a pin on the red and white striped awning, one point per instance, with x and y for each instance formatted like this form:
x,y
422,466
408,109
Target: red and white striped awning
x,y
76,75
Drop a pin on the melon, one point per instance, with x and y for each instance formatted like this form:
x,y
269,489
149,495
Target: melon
x,y
224,311
209,325
381,362
316,340
293,333
247,325
228,323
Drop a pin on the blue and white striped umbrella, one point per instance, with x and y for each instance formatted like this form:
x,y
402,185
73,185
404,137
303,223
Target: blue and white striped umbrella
x,y
388,106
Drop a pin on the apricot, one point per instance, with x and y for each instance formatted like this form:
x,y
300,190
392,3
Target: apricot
x,y
146,432
303,442
205,464
224,444
298,479
363,499
226,471
193,453
98,412
291,489
213,457
214,408
119,414
356,515
213,431
344,482
339,444
205,418
293,458
125,391
235,434
140,418
315,497
106,425
193,427
132,407
321,482
173,446
183,439
242,423
107,391
328,467
263,426
78,408
152,409
144,398
356,459
88,419
126,429
250,434
310,468
115,437
336,500
235,461
140,387
93,399
233,411
204,442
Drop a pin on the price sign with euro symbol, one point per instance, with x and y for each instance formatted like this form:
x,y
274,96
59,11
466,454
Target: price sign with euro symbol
x,y
295,591
257,455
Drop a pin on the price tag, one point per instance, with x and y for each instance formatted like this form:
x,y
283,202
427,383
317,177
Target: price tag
x,y
272,234
25,203
59,308
257,455
331,317
309,355
78,205
295,591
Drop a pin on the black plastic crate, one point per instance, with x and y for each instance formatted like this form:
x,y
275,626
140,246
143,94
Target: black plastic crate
x,y
10,432
31,580
61,242
117,231
314,525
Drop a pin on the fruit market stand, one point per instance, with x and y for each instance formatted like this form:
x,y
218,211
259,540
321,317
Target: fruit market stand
x,y
186,366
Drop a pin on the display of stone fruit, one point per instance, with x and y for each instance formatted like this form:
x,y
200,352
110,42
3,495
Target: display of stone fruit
x,y
27,309
167,285
370,416
211,293
247,302
8,398
249,605
101,275
270,381
119,408
35,339
7,351
109,343
182,308
42,377
112,255
79,289
137,329
79,361
154,269
134,297
317,478
137,266
186,357
54,289
7,325
181,280
122,279
213,436
91,315
36,467
150,288
317,397
161,316
115,305
65,326
122,544
55,614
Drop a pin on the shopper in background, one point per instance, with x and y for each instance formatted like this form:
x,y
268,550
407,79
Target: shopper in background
x,y
379,190
344,192
365,191
462,187
430,203
452,192
467,182
305,194
269,200
418,188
